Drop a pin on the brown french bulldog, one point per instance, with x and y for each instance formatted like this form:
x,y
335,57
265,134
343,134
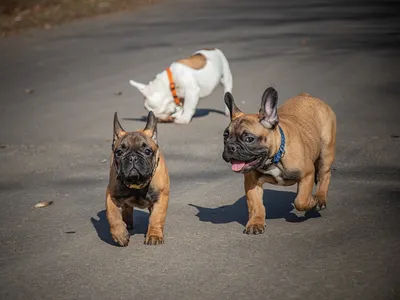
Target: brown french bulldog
x,y
138,178
294,143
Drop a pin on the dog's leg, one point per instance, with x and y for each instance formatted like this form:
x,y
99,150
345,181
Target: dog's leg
x,y
227,83
226,77
189,106
324,174
254,195
127,216
158,213
305,200
118,229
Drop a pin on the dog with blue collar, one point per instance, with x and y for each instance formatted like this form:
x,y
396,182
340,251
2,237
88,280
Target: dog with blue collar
x,y
292,144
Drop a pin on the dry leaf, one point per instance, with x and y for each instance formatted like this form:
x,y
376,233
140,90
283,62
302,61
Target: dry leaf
x,y
28,91
43,204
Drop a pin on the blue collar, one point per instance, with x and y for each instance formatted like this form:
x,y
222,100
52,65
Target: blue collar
x,y
281,151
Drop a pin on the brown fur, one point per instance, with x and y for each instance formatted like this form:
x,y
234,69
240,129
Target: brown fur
x,y
309,126
120,208
196,61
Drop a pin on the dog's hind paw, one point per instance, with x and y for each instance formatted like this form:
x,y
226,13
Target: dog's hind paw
x,y
321,203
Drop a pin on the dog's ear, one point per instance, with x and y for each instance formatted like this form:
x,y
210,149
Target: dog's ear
x,y
233,109
151,127
268,113
140,86
118,130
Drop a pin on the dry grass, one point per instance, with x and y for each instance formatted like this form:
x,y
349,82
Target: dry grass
x,y
19,15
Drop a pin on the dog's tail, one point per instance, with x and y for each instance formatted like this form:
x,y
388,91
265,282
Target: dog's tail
x,y
226,80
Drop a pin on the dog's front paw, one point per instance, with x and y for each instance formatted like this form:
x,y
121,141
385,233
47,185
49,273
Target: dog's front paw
x,y
254,228
182,120
154,240
121,236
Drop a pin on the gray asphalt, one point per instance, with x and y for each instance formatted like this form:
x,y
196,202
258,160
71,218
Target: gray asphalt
x,y
55,146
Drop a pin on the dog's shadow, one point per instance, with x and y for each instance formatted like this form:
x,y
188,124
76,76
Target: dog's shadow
x,y
278,204
140,224
200,112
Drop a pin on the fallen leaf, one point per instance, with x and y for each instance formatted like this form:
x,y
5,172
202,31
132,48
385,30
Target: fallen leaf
x,y
43,204
28,91
118,93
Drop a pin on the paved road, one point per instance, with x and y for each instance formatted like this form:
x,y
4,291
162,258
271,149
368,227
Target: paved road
x,y
56,141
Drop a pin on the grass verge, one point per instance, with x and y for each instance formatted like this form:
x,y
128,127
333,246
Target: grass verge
x,y
20,15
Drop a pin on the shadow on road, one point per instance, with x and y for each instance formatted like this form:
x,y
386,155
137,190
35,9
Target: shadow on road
x,y
140,224
279,204
200,112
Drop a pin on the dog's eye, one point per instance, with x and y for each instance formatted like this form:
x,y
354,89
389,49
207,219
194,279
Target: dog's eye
x,y
148,151
249,139
118,153
226,134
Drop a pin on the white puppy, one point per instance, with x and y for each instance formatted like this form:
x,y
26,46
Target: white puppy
x,y
175,92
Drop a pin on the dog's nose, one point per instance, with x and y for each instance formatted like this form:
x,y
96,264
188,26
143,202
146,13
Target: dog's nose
x,y
133,159
232,148
133,175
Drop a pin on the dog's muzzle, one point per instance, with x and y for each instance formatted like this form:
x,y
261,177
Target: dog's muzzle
x,y
135,171
230,151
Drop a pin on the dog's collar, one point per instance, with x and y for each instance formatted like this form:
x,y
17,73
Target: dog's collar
x,y
281,151
172,87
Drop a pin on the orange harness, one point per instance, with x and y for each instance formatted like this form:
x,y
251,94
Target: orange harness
x,y
172,86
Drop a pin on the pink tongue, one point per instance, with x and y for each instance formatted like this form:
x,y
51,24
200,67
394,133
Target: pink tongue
x,y
237,165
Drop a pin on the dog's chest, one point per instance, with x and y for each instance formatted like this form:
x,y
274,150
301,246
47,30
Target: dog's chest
x,y
142,198
275,172
281,176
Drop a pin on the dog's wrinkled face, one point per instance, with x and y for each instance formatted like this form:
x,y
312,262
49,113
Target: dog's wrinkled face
x,y
247,141
245,144
135,153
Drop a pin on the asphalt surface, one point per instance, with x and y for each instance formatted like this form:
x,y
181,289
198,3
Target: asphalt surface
x,y
55,145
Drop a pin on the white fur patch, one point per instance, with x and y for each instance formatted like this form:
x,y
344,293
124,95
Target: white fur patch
x,y
276,173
